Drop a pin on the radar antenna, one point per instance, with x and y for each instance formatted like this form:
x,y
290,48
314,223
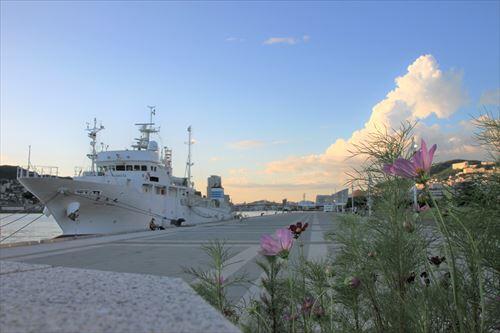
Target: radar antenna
x,y
146,130
93,137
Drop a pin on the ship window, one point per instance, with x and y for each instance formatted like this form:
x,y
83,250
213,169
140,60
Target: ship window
x,y
137,167
144,168
120,168
145,188
112,168
129,168
153,179
160,190
151,168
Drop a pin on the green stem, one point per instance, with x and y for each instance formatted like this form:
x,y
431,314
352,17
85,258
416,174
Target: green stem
x,y
477,264
273,298
331,312
292,302
449,253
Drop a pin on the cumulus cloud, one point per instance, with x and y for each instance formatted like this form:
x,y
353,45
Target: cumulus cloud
x,y
490,97
424,90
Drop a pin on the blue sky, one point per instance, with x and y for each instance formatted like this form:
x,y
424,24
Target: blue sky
x,y
207,64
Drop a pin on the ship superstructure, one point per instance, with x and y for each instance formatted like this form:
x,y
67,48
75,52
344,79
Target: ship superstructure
x,y
124,190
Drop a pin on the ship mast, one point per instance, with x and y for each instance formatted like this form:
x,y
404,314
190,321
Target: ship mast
x,y
93,136
189,164
146,130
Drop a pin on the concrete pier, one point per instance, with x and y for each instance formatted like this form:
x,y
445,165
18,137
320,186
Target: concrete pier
x,y
154,255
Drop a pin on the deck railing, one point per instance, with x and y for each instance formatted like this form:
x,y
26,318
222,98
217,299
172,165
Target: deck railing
x,y
33,171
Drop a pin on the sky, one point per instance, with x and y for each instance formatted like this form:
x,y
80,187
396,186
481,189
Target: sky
x,y
276,92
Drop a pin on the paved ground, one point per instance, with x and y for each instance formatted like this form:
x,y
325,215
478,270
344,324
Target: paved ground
x,y
167,253
42,299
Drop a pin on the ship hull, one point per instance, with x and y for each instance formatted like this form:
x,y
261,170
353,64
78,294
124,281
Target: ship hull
x,y
105,208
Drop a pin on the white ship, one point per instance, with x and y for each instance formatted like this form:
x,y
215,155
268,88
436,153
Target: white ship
x,y
124,190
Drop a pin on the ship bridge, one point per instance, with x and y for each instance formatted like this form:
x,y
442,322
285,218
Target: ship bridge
x,y
128,160
124,156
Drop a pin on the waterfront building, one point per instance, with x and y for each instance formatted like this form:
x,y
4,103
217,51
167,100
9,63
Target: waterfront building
x,y
460,165
214,187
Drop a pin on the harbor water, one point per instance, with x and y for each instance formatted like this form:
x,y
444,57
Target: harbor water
x,y
43,228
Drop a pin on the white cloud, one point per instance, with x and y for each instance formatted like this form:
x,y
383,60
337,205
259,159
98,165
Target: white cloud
x,y
281,40
490,97
234,39
287,40
247,144
424,90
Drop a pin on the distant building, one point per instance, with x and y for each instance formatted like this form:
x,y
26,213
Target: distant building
x,y
323,199
217,193
305,204
436,190
341,196
460,165
338,199
214,188
474,169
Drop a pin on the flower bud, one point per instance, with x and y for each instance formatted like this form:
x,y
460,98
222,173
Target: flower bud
x,y
352,281
408,226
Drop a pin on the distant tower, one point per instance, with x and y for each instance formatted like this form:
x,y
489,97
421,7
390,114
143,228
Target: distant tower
x,y
189,163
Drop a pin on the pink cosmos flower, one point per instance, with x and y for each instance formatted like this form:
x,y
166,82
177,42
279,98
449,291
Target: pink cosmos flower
x,y
279,244
417,167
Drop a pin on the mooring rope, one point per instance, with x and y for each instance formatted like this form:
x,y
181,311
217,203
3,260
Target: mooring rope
x,y
6,224
15,232
4,217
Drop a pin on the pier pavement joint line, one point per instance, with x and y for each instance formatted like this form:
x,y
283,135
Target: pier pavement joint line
x,y
318,250
26,270
43,254
237,262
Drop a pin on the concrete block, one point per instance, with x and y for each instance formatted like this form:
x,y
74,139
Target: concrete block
x,y
42,298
